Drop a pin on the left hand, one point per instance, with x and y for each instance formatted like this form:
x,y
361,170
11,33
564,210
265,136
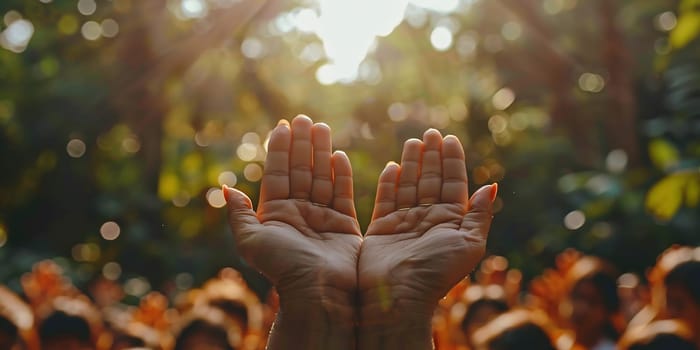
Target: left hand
x,y
304,235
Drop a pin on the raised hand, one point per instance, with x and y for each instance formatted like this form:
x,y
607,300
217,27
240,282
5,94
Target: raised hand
x,y
425,236
304,236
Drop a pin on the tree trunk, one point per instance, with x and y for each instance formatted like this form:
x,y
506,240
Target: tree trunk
x,y
556,70
620,123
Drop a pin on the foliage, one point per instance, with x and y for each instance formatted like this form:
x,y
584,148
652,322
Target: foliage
x,y
590,126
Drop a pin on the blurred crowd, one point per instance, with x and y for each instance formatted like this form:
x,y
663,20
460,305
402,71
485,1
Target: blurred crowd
x,y
580,303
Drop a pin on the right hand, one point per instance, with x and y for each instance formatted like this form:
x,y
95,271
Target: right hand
x,y
426,234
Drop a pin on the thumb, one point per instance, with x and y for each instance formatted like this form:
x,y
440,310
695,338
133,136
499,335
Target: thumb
x,y
478,217
241,216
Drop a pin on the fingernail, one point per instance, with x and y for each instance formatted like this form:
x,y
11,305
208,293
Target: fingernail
x,y
302,116
412,140
494,191
283,122
225,189
390,163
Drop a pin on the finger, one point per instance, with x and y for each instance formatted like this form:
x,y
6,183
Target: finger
x,y
242,218
408,177
455,188
322,182
343,198
300,158
430,181
385,201
477,220
275,181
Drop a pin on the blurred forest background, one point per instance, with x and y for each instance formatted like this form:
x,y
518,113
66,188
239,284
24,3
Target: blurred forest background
x,y
120,120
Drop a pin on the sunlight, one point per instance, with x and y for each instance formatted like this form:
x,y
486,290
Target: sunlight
x,y
442,6
441,38
87,7
17,34
193,8
349,31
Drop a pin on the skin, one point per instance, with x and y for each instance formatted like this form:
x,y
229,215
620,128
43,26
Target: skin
x,y
308,251
338,290
424,237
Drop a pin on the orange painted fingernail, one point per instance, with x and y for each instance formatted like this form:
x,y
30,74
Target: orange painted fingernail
x,y
225,190
494,191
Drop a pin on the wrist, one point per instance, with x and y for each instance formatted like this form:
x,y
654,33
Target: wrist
x,y
410,333
395,324
332,305
389,305
314,318
319,313
319,325
399,315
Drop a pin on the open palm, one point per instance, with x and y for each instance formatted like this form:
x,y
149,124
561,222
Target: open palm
x,y
425,235
304,236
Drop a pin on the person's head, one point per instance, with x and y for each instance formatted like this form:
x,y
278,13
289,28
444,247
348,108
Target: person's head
x,y
658,335
8,333
479,313
527,333
124,342
66,332
203,335
236,311
514,330
594,302
683,293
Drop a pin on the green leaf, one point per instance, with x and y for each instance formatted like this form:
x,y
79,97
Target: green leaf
x,y
687,30
665,198
688,5
663,154
692,191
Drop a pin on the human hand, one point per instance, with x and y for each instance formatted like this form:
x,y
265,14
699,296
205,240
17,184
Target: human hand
x,y
424,237
304,236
